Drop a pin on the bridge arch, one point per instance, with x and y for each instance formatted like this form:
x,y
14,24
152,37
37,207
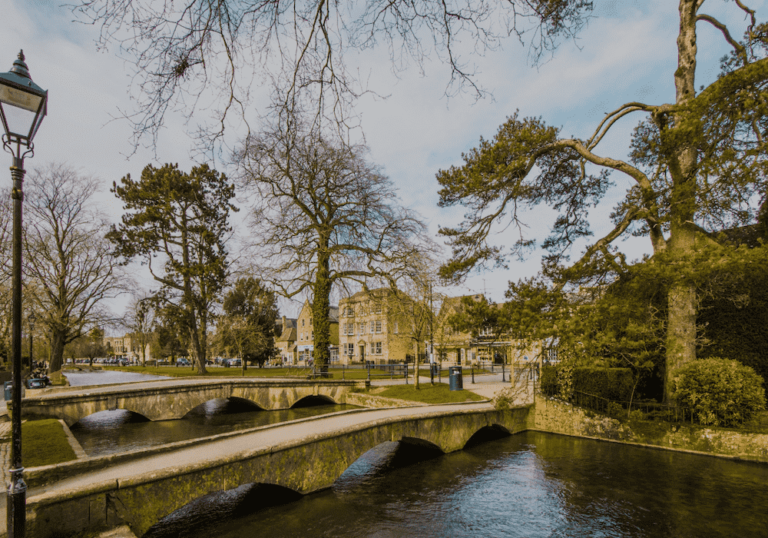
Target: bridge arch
x,y
313,400
133,417
205,511
224,406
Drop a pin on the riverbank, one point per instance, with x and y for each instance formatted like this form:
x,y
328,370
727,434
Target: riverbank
x,y
553,416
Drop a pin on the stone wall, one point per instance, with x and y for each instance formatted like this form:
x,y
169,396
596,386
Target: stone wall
x,y
559,417
372,401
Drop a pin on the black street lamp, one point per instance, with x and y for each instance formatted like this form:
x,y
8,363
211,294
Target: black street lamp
x,y
31,320
23,104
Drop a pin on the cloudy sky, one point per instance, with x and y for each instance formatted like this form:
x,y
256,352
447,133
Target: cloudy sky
x,y
627,53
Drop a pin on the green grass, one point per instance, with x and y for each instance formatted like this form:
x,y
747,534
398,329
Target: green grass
x,y
428,393
43,442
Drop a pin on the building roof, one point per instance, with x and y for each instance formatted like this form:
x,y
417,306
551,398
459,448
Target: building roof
x,y
287,336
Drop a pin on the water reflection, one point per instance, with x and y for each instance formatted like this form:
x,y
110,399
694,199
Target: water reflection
x,y
110,432
527,485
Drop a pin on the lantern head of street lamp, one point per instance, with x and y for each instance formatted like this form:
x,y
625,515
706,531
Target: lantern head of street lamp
x,y
23,105
32,319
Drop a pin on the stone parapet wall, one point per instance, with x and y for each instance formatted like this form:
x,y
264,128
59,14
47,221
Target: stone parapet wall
x,y
372,401
559,417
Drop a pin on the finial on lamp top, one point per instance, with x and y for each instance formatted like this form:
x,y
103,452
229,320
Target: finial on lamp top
x,y
19,67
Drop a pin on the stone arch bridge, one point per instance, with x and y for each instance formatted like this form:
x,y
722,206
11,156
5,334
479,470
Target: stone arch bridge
x,y
304,456
167,400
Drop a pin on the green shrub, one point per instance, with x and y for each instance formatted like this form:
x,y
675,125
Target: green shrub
x,y
615,410
720,392
549,380
636,415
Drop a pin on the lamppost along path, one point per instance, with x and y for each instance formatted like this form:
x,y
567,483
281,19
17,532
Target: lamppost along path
x,y
23,105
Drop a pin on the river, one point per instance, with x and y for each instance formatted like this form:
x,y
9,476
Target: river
x,y
109,432
528,485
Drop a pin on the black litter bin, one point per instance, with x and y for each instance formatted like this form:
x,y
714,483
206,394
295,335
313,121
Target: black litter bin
x,y
455,380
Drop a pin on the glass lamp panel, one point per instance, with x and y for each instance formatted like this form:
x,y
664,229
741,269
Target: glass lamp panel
x,y
19,98
19,120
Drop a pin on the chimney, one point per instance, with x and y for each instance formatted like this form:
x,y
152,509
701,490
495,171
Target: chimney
x,y
284,322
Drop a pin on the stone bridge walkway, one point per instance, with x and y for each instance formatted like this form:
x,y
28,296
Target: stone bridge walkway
x,y
263,438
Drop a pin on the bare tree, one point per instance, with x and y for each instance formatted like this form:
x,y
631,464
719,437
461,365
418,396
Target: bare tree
x,y
185,50
69,263
140,320
324,216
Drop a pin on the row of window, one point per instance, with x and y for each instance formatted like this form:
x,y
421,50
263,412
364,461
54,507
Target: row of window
x,y
375,348
375,328
364,310
309,336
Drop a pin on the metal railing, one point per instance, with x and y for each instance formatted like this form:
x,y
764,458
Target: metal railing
x,y
373,370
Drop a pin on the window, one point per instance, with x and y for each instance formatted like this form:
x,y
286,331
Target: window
x,y
350,349
378,327
377,307
397,328
362,328
376,348
372,327
302,322
486,332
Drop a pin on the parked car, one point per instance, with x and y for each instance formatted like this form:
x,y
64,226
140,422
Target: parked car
x,y
183,362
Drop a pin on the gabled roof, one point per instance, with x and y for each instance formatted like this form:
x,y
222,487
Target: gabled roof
x,y
287,336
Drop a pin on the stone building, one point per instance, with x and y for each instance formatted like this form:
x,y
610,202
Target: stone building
x,y
456,347
286,341
305,341
371,329
126,347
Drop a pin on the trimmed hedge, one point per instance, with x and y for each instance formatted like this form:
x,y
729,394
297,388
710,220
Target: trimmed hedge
x,y
610,383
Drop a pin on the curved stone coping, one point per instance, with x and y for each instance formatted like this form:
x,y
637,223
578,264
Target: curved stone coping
x,y
168,386
53,494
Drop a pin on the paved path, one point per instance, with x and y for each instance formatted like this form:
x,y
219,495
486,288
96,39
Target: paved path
x,y
155,384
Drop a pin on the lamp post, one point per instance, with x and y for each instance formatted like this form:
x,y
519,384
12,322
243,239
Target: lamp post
x,y
31,320
23,105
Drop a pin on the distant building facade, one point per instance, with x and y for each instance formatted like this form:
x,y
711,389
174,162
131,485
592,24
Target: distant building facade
x,y
305,333
372,329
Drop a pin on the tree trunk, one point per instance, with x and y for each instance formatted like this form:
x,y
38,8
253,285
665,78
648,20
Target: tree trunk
x,y
321,308
197,348
681,327
57,351
416,367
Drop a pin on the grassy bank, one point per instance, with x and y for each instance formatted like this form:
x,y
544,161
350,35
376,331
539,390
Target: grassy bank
x,y
173,371
427,393
44,443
